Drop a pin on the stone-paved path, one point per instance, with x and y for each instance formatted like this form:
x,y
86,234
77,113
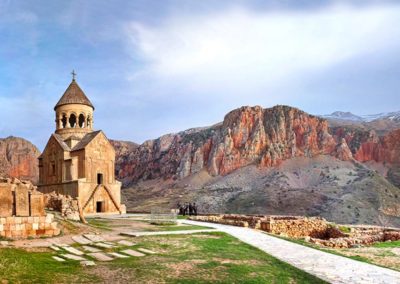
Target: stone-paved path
x,y
95,250
332,268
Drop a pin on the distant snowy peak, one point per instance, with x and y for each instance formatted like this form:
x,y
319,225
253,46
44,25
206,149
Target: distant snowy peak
x,y
348,116
341,115
394,116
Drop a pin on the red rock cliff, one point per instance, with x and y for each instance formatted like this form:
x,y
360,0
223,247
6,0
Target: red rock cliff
x,y
368,146
248,135
18,158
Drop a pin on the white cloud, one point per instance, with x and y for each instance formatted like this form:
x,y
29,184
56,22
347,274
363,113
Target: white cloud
x,y
248,50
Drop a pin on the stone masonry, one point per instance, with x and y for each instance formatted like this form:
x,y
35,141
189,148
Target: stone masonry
x,y
22,211
78,161
291,226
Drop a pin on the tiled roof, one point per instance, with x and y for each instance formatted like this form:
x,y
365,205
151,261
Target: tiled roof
x,y
61,142
86,140
74,95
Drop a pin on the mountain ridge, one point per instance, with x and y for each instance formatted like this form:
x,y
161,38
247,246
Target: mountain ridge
x,y
278,160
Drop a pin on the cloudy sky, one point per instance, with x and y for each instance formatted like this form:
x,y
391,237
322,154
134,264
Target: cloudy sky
x,y
154,67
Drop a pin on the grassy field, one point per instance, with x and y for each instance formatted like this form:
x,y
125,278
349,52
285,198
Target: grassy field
x,y
198,258
109,225
177,228
20,266
395,244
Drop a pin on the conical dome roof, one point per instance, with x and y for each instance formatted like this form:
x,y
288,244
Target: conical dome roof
x,y
74,95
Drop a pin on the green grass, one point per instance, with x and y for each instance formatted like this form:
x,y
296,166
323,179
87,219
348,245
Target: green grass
x,y
198,258
20,266
181,217
178,228
100,224
206,258
393,244
345,229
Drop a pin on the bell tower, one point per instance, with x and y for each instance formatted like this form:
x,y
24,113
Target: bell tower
x,y
78,161
74,113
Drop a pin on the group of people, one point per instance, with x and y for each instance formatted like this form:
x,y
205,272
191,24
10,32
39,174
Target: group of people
x,y
187,209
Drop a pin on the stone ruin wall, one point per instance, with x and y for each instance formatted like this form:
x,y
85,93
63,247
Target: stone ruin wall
x,y
22,211
360,236
315,230
291,226
65,204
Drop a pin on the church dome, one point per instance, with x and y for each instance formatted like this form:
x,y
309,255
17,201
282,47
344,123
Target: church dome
x,y
74,95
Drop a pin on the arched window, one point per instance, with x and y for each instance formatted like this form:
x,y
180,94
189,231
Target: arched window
x,y
64,120
72,120
81,121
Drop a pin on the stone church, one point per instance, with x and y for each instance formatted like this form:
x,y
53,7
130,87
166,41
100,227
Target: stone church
x,y
79,161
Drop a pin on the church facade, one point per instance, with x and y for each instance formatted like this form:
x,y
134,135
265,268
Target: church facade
x,y
79,161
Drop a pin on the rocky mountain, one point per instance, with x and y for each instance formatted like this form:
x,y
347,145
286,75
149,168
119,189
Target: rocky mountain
x,y
18,158
382,123
249,135
279,160
343,116
348,116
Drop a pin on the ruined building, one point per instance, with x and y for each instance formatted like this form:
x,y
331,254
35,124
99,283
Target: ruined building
x,y
77,160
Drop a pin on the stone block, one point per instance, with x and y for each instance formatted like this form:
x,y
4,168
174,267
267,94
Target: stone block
x,y
132,252
6,201
37,205
49,218
21,201
100,256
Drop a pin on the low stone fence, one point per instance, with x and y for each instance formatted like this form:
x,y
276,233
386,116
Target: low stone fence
x,y
296,227
23,227
364,237
290,226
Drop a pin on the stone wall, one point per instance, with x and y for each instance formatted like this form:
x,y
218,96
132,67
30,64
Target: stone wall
x,y
291,226
22,211
20,198
360,236
23,227
296,227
